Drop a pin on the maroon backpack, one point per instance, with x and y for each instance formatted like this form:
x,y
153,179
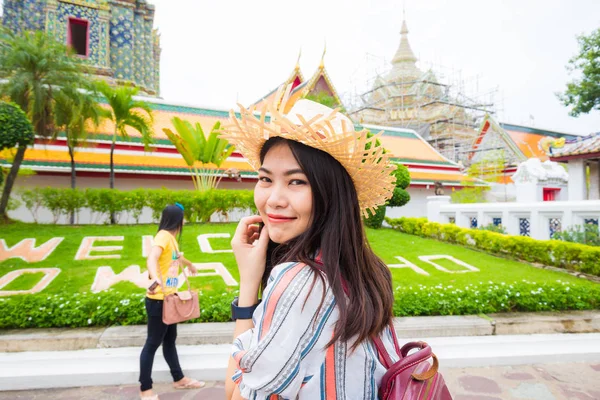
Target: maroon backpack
x,y
412,377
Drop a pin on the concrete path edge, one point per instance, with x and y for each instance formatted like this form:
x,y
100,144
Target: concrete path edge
x,y
61,339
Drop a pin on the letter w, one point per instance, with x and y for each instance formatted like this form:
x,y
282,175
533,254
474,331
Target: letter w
x,y
26,250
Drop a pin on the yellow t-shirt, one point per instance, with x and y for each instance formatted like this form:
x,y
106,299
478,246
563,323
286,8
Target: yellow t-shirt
x,y
167,264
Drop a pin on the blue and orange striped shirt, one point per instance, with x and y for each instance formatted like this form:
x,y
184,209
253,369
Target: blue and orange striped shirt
x,y
285,355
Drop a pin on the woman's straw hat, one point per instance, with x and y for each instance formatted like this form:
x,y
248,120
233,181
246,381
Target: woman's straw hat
x,y
322,128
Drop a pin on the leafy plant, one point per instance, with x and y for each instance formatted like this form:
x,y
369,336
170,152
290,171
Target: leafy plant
x,y
399,198
108,309
584,93
323,97
493,228
199,206
15,130
125,111
76,111
560,254
196,148
34,69
587,234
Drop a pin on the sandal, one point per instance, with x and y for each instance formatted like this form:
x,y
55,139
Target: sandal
x,y
191,384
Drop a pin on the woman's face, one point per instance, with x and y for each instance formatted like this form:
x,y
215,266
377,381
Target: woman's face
x,y
283,195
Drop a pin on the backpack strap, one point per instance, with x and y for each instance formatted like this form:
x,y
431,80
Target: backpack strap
x,y
387,359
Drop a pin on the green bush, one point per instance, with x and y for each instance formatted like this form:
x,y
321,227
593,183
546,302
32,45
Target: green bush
x,y
493,228
15,127
199,206
475,194
570,256
588,234
399,197
494,297
106,309
375,220
94,309
402,176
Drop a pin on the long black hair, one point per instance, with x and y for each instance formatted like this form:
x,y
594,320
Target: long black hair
x,y
172,220
337,232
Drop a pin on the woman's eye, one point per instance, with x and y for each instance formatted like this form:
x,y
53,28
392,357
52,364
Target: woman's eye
x,y
297,182
264,179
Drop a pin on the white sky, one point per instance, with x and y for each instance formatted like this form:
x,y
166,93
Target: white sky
x,y
217,52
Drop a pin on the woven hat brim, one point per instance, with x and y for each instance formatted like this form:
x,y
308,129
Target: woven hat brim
x,y
370,169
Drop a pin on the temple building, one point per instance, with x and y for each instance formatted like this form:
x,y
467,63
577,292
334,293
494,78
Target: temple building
x,y
115,37
110,43
409,97
512,143
582,154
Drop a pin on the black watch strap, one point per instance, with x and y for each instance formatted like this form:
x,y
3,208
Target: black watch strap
x,y
242,312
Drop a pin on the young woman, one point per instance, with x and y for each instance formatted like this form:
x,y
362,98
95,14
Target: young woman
x,y
325,294
164,262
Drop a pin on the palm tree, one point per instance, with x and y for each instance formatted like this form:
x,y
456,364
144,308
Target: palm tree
x,y
34,69
194,147
125,111
75,112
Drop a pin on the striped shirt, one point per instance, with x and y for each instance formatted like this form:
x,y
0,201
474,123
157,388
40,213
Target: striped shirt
x,y
285,355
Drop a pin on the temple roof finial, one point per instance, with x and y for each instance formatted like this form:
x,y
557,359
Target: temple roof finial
x,y
297,68
404,52
322,64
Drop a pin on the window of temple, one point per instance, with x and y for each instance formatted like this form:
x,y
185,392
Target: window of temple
x,y
78,36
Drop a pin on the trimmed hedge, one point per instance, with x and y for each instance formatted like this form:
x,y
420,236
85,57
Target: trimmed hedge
x,y
106,308
94,309
199,206
570,256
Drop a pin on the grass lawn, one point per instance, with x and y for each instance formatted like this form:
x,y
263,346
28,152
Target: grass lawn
x,y
78,276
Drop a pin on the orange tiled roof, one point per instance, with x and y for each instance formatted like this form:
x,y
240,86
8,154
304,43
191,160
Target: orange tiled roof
x,y
405,145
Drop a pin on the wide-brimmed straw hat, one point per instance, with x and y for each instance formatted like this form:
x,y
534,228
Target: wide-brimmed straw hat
x,y
322,128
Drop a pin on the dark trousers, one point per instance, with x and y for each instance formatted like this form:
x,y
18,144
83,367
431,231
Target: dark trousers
x,y
158,333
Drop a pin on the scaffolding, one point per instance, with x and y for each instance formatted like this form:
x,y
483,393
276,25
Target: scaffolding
x,y
445,109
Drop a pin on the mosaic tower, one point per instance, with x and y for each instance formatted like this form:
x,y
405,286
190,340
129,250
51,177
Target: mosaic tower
x,y
115,37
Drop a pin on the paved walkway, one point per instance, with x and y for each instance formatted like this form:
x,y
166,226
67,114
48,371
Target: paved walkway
x,y
560,381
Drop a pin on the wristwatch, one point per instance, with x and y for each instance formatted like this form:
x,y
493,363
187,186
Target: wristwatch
x,y
242,312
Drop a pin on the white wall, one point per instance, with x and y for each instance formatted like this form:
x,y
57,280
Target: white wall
x,y
539,214
417,206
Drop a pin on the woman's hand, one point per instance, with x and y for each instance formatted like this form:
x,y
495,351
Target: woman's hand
x,y
193,270
250,250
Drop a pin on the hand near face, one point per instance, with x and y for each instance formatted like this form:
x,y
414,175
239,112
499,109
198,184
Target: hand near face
x,y
250,250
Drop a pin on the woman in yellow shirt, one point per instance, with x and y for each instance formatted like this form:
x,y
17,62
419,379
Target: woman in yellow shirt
x,y
163,264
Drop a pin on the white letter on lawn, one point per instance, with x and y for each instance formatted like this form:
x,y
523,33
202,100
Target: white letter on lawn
x,y
49,275
205,245
147,243
106,277
218,270
26,250
429,260
87,246
408,264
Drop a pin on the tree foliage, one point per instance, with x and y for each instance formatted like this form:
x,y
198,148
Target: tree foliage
x,y
583,93
126,111
195,147
15,127
15,131
323,97
34,70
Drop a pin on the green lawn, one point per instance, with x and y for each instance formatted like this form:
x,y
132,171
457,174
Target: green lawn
x,y
78,276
